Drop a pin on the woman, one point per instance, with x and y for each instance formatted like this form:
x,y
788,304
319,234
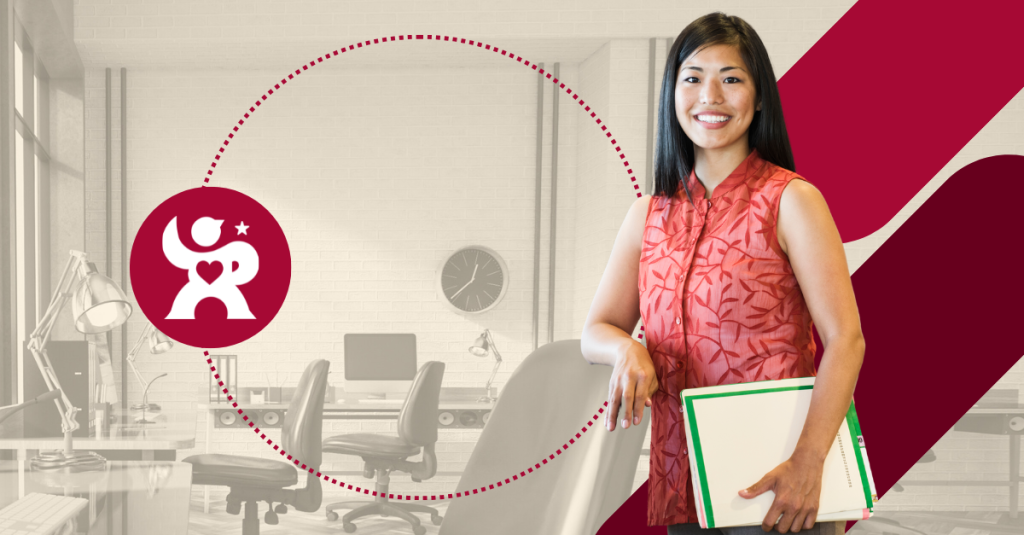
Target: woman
x,y
732,265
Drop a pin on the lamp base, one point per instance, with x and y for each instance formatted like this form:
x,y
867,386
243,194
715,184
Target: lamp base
x,y
487,399
77,461
150,407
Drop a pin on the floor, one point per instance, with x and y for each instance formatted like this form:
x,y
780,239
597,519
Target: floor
x,y
219,522
934,523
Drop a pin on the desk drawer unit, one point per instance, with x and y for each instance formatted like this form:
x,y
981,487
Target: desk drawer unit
x,y
991,424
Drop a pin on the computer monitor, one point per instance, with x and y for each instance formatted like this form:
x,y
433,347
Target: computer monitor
x,y
380,363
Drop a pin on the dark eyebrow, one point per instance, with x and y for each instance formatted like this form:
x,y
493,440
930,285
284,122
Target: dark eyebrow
x,y
723,69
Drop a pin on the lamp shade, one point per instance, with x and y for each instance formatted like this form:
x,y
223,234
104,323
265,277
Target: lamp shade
x,y
98,304
159,342
480,346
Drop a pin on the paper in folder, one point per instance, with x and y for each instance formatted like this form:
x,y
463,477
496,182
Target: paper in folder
x,y
738,433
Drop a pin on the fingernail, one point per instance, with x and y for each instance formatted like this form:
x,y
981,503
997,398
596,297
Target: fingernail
x,y
636,420
625,423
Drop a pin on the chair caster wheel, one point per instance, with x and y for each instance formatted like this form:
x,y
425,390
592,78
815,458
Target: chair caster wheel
x,y
234,508
280,508
436,519
332,516
419,530
349,527
270,518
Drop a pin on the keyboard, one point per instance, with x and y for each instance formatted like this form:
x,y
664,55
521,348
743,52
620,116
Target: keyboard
x,y
39,514
397,402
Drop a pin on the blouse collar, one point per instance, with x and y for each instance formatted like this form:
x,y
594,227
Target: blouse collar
x,y
747,168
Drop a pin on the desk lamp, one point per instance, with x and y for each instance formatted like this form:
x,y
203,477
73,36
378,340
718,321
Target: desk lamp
x,y
158,343
481,347
97,305
8,411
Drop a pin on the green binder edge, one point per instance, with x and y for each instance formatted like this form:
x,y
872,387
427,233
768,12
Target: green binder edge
x,y
854,424
851,419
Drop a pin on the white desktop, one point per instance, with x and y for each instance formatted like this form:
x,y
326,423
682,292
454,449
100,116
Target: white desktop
x,y
380,364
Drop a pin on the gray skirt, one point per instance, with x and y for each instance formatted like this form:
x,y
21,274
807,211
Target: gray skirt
x,y
820,528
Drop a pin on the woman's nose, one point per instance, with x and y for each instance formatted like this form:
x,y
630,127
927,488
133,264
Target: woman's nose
x,y
711,93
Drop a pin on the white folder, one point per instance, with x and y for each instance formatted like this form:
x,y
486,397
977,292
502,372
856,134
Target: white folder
x,y
738,433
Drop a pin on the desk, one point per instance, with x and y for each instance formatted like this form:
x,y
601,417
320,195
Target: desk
x,y
128,498
994,419
172,431
457,409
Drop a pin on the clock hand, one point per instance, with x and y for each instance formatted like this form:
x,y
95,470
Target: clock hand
x,y
471,279
463,288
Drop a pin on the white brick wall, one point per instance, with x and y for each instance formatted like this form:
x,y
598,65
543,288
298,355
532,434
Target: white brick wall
x,y
375,176
324,155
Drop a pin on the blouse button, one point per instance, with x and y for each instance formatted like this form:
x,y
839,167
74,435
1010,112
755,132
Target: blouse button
x,y
677,320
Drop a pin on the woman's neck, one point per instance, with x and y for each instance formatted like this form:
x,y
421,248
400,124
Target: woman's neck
x,y
715,165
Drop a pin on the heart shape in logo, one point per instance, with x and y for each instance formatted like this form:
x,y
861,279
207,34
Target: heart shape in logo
x,y
209,272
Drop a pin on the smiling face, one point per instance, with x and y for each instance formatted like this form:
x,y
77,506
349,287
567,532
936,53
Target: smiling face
x,y
715,98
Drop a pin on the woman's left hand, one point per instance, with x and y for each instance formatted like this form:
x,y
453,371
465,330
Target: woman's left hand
x,y
797,487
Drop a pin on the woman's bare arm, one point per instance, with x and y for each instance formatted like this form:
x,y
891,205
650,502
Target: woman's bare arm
x,y
808,235
810,238
608,332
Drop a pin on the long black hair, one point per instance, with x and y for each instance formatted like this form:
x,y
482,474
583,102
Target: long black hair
x,y
675,155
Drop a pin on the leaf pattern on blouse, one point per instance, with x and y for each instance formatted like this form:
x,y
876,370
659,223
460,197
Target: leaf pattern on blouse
x,y
720,305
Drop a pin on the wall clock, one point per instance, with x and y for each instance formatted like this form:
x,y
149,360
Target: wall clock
x,y
473,279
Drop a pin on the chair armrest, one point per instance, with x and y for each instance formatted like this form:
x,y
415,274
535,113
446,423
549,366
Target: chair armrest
x,y
427,467
307,499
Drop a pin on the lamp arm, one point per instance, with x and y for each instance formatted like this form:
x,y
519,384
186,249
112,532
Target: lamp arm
x,y
487,387
138,344
138,374
41,335
497,361
135,352
490,339
61,295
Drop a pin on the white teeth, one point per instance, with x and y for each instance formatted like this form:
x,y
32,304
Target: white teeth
x,y
712,118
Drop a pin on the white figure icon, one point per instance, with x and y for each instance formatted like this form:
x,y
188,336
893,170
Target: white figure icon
x,y
206,232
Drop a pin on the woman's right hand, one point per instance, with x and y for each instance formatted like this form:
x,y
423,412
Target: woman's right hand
x,y
632,385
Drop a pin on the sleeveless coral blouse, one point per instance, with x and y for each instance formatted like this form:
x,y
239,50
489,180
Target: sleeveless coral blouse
x,y
720,305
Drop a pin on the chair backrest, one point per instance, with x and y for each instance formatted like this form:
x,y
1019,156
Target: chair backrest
x,y
548,400
302,431
417,421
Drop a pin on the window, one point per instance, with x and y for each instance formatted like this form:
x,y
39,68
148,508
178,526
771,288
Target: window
x,y
30,268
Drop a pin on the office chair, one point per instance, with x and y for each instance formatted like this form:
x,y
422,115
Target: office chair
x,y
550,398
252,479
382,454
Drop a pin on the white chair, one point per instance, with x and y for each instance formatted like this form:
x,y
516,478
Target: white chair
x,y
548,399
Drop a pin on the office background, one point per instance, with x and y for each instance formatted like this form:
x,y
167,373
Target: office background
x,y
378,164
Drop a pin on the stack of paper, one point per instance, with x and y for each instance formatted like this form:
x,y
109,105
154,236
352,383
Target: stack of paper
x,y
738,433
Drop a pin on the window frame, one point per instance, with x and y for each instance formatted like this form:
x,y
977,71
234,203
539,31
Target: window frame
x,y
27,275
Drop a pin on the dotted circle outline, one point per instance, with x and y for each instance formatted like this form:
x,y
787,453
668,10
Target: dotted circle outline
x,y
227,142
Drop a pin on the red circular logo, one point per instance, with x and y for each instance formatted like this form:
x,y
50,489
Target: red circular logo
x,y
210,267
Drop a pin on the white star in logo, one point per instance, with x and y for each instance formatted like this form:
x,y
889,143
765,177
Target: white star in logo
x,y
242,227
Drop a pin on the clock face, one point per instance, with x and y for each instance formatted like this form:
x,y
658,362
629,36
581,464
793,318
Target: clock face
x,y
474,279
